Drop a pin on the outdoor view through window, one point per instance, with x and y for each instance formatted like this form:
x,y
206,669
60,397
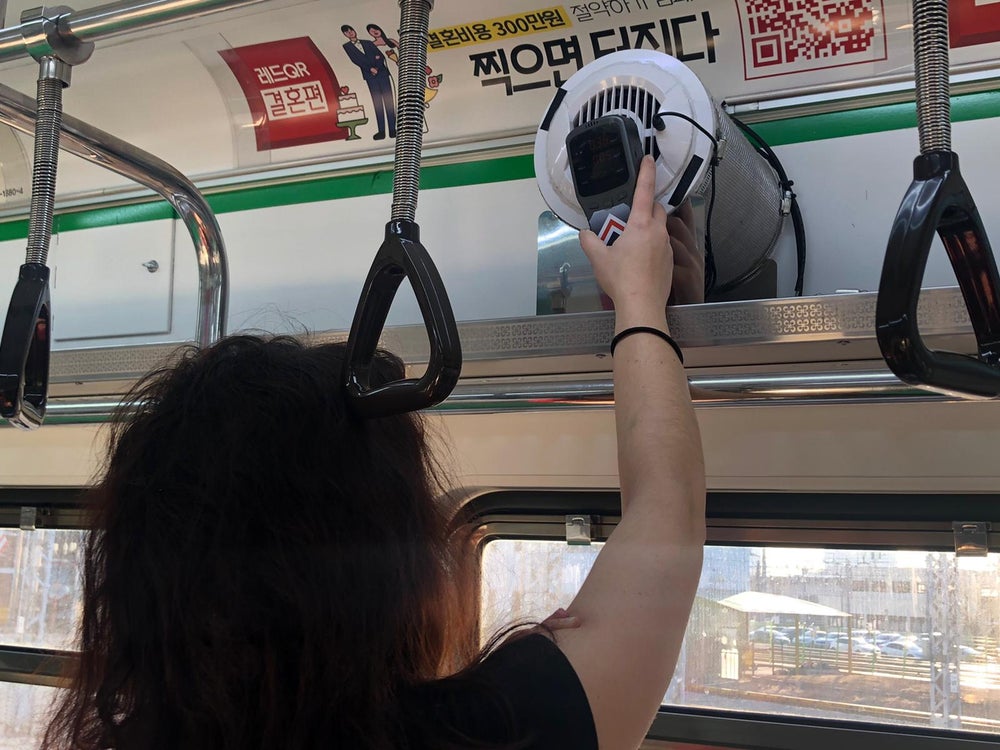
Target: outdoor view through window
x,y
883,636
40,597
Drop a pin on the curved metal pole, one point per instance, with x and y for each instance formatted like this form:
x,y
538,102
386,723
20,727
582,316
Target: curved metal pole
x,y
110,152
105,21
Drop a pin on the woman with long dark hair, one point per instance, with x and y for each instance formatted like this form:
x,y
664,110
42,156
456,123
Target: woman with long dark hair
x,y
269,571
379,39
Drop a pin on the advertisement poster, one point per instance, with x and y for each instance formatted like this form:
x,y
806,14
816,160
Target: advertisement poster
x,y
490,76
316,82
973,22
290,89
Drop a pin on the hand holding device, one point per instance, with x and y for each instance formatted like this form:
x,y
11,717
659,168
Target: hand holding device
x,y
604,157
637,273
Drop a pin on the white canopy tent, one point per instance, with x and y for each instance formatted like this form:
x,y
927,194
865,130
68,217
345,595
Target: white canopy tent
x,y
757,602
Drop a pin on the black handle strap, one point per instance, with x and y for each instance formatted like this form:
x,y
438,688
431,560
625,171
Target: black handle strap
x,y
24,349
402,256
938,201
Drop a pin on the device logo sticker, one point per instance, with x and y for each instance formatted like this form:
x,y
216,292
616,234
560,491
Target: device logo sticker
x,y
612,230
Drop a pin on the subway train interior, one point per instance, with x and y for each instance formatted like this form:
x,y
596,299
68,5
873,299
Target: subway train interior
x,y
215,166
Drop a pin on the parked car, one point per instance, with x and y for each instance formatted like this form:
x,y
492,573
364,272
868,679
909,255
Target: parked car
x,y
903,649
882,638
968,653
859,646
809,637
832,637
965,653
820,639
761,635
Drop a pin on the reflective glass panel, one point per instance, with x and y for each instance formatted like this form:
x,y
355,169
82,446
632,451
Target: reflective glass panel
x,y
899,637
40,587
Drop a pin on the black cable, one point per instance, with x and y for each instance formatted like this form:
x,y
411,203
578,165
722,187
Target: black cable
x,y
800,232
710,270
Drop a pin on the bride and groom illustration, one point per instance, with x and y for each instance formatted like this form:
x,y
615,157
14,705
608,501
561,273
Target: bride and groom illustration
x,y
370,57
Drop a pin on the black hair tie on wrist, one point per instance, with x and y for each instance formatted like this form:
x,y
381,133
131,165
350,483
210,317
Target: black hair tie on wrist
x,y
646,329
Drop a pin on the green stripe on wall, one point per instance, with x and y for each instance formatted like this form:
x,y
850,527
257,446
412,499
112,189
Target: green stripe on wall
x,y
978,106
94,217
373,183
307,191
819,127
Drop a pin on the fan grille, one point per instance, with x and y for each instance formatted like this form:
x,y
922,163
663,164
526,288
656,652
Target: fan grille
x,y
632,99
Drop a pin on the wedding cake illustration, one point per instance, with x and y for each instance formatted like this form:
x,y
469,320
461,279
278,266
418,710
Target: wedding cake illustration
x,y
350,114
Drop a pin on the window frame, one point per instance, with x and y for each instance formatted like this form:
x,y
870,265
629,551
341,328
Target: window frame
x,y
56,508
756,732
772,519
921,522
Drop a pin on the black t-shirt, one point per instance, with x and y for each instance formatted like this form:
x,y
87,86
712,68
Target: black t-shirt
x,y
526,694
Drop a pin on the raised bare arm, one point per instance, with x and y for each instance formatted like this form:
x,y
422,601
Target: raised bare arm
x,y
634,606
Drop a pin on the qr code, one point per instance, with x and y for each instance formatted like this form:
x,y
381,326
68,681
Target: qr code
x,y
790,36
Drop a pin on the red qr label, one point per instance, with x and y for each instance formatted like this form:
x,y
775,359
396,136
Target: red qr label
x,y
794,36
291,90
972,22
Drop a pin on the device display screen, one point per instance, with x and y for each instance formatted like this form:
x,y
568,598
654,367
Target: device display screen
x,y
598,161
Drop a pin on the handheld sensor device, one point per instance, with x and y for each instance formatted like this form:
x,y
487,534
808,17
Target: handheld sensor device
x,y
639,88
604,158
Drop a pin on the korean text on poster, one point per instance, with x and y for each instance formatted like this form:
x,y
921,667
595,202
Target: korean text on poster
x,y
497,28
527,66
291,91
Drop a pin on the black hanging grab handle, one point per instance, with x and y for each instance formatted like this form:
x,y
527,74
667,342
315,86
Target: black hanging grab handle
x,y
938,201
402,256
24,349
27,330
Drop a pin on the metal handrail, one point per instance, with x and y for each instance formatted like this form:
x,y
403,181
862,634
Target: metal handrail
x,y
520,395
113,19
110,152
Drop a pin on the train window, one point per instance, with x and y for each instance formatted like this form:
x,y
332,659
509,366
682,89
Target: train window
x,y
40,587
23,713
816,633
40,601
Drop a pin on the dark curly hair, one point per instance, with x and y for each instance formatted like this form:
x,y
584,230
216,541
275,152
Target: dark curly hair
x,y
266,570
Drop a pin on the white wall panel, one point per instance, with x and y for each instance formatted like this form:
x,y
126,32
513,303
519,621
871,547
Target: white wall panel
x,y
100,287
850,188
304,266
905,448
836,448
100,290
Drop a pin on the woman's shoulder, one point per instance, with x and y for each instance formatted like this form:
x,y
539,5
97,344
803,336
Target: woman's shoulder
x,y
525,691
